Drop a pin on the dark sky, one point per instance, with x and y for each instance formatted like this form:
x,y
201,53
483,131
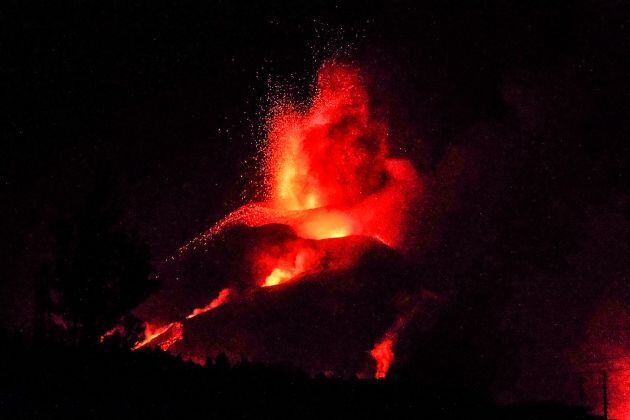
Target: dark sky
x,y
517,113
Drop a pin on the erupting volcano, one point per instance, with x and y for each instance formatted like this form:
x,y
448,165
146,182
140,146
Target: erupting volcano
x,y
310,276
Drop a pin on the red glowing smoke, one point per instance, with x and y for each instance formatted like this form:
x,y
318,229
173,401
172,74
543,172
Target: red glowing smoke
x,y
329,174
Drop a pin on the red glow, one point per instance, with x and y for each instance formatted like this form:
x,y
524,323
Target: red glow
x,y
278,276
329,173
329,165
223,297
383,353
329,177
334,153
175,333
613,359
165,336
619,389
294,259
118,329
60,321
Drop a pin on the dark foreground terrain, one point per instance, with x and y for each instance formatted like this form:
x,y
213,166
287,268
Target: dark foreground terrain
x,y
51,381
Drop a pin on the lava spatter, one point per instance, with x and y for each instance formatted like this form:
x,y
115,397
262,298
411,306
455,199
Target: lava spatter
x,y
329,178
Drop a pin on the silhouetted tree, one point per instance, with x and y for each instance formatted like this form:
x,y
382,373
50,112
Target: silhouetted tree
x,y
222,363
100,271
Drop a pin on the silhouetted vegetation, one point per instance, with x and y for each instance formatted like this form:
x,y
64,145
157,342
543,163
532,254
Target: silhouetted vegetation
x,y
57,381
98,273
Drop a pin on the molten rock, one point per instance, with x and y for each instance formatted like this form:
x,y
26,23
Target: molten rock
x,y
312,276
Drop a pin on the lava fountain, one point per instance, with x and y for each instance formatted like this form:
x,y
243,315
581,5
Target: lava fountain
x,y
334,192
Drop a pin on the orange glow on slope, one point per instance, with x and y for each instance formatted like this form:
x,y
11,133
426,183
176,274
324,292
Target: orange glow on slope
x,y
175,334
384,355
277,276
299,259
223,297
154,332
330,224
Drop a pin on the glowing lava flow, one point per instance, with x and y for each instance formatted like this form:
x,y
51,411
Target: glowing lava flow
x,y
167,334
223,297
383,350
383,353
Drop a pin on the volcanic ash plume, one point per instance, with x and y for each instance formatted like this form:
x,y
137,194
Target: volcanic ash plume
x,y
310,276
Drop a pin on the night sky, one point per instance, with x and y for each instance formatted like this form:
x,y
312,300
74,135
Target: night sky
x,y
514,113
